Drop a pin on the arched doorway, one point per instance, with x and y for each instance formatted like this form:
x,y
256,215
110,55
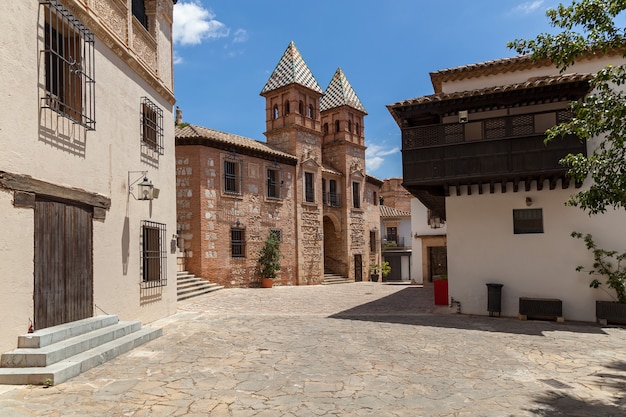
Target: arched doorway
x,y
334,255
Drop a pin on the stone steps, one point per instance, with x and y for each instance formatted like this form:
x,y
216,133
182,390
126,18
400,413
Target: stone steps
x,y
189,286
330,279
53,355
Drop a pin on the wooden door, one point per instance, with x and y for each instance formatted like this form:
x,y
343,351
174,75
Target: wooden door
x,y
438,259
358,268
63,263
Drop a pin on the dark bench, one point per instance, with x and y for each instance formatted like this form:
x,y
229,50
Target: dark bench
x,y
541,308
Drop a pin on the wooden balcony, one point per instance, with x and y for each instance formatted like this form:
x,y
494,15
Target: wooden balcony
x,y
505,150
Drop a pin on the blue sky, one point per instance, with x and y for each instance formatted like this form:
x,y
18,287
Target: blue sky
x,y
226,50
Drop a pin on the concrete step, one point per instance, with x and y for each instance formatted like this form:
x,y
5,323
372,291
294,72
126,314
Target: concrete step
x,y
189,286
63,349
330,279
199,291
70,367
50,335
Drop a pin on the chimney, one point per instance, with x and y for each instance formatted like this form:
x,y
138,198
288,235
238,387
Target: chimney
x,y
179,116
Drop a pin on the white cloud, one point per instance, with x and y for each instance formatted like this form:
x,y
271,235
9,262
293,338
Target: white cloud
x,y
193,23
241,35
375,156
177,59
529,6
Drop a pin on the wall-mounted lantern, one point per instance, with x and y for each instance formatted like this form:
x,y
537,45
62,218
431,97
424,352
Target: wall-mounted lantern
x,y
145,190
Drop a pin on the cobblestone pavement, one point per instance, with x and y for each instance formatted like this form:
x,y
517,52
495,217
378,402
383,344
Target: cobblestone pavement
x,y
359,349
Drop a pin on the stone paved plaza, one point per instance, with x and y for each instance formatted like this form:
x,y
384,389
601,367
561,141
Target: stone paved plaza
x,y
360,349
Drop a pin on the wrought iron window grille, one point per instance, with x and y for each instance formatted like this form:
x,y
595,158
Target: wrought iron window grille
x,y
69,65
153,254
151,127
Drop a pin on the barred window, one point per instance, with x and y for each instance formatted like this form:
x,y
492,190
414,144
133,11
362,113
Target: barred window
x,y
232,175
151,126
278,233
309,188
153,255
273,183
69,65
237,242
356,195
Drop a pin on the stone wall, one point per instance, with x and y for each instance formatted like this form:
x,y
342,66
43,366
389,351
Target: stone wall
x,y
206,216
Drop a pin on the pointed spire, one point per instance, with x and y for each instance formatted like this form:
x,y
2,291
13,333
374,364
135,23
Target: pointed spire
x,y
291,69
340,93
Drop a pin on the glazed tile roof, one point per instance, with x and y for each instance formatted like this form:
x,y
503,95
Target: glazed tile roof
x,y
340,93
386,211
531,83
199,133
291,69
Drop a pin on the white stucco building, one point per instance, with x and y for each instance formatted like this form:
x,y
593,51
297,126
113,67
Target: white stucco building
x,y
473,153
86,108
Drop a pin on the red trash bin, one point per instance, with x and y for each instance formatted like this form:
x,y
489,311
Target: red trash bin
x,y
441,291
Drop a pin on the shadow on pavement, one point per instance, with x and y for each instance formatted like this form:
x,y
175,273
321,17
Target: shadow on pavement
x,y
561,403
414,306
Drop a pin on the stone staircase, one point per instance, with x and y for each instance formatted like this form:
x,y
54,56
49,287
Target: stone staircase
x,y
188,286
330,278
55,354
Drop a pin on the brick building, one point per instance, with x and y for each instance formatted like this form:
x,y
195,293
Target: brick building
x,y
307,183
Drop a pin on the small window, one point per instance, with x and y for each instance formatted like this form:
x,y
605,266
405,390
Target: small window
x,y
337,125
69,66
310,111
300,107
325,127
309,188
273,183
356,195
350,126
527,221
237,242
153,255
275,112
333,195
375,198
151,126
392,234
373,242
278,233
287,108
358,129
139,11
232,176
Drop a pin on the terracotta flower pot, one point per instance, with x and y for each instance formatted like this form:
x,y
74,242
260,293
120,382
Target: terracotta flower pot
x,y
267,282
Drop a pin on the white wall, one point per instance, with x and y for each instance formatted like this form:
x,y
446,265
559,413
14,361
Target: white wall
x,y
40,144
420,227
483,249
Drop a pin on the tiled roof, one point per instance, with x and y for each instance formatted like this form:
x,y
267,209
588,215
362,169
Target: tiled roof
x,y
386,211
200,133
503,65
531,83
340,93
291,69
330,170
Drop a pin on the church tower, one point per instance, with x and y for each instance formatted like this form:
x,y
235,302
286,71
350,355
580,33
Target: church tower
x,y
293,125
343,150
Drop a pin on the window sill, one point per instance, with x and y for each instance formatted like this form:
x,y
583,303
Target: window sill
x,y
234,196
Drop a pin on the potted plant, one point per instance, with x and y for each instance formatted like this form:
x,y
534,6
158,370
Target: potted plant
x,y
440,289
269,260
608,264
385,269
374,272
